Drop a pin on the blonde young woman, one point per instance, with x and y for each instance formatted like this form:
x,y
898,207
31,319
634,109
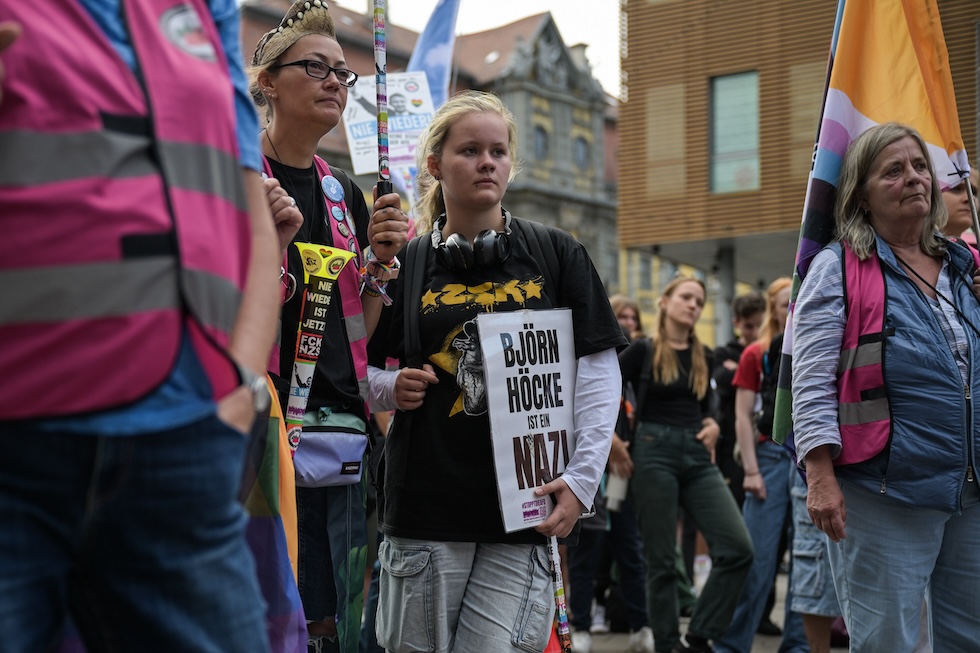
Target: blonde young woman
x,y
452,579
673,466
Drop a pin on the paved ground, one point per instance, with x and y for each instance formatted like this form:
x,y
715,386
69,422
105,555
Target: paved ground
x,y
617,643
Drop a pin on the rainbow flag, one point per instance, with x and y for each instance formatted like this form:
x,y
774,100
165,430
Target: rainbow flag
x,y
888,62
272,534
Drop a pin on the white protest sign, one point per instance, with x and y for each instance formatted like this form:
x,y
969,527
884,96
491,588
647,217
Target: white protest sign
x,y
529,364
410,111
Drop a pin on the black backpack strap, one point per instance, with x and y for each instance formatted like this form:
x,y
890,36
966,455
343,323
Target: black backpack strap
x,y
769,384
345,181
543,249
416,260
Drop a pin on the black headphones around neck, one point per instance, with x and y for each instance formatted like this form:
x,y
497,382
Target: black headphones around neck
x,y
489,248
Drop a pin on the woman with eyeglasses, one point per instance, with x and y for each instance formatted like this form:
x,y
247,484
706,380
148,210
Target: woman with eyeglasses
x,y
299,76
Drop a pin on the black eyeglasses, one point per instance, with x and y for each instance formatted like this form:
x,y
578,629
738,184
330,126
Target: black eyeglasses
x,y
320,70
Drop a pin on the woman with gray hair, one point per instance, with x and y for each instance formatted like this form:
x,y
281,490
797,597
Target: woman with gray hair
x,y
886,335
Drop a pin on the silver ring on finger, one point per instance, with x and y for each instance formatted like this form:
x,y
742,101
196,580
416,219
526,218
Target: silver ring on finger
x,y
292,202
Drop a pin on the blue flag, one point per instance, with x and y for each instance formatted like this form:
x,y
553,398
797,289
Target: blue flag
x,y
433,52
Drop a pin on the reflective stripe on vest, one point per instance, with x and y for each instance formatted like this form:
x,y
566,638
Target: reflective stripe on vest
x,y
864,414
123,204
52,158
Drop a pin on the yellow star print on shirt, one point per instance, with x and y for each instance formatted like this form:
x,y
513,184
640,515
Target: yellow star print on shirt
x,y
447,359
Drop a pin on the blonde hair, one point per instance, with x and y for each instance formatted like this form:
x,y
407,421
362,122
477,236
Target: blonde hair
x,y
431,203
770,326
303,18
852,222
666,366
619,302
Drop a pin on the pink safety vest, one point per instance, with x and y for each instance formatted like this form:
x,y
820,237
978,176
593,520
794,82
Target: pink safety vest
x,y
864,414
123,209
349,282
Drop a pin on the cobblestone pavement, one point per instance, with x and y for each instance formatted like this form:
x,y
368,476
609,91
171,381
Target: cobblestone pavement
x,y
619,643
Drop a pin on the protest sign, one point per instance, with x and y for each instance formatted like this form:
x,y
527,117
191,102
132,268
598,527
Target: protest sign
x,y
409,112
529,364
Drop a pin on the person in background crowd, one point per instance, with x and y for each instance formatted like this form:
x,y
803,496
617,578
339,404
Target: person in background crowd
x,y
748,311
957,202
889,467
627,313
300,77
768,474
484,589
614,531
123,511
673,452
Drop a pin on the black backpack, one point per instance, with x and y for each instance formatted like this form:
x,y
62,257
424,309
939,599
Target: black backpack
x,y
767,389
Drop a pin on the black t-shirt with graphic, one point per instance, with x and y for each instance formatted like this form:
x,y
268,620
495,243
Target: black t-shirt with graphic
x,y
440,482
334,381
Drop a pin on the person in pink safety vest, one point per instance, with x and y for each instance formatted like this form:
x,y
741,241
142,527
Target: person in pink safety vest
x,y
139,273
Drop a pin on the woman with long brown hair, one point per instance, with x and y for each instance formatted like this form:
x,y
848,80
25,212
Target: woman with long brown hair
x,y
673,458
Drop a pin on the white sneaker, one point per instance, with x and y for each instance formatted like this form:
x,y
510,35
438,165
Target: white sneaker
x,y
641,641
581,642
599,624
702,569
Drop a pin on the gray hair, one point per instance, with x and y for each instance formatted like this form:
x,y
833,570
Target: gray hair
x,y
852,222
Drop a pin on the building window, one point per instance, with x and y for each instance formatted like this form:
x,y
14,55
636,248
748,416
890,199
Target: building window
x,y
540,143
735,133
582,155
668,271
646,271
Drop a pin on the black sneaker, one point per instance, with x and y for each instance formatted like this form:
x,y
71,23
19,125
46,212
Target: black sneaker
x,y
768,628
692,644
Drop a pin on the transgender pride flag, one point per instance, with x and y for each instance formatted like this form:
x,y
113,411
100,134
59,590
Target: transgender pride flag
x,y
888,62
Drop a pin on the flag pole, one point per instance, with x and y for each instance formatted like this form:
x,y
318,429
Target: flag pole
x,y
560,629
381,77
561,612
973,207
